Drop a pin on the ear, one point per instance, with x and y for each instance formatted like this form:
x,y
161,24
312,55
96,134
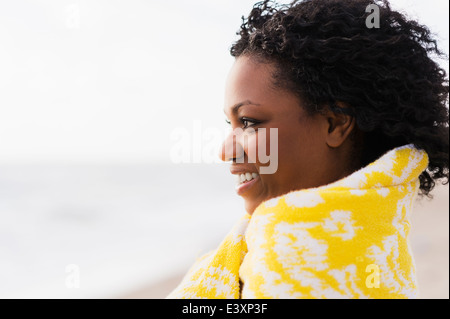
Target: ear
x,y
339,126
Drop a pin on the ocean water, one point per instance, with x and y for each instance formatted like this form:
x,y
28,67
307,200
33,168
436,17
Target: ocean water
x,y
99,231
104,231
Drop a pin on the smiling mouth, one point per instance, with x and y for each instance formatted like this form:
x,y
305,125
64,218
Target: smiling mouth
x,y
245,178
245,182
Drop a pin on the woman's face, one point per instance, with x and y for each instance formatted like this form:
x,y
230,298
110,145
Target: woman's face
x,y
307,151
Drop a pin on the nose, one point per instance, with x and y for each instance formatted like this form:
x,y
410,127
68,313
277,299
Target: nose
x,y
230,149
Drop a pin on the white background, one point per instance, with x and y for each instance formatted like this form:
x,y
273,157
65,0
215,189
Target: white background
x,y
107,81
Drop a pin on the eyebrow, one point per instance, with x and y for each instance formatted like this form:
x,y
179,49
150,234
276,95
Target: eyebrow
x,y
236,107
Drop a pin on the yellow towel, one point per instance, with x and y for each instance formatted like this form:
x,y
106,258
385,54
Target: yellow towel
x,y
347,239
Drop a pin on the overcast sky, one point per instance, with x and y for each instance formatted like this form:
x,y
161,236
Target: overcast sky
x,y
108,81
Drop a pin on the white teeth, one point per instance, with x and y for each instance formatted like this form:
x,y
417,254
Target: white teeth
x,y
245,177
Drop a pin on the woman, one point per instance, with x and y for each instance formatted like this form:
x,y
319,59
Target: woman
x,y
361,128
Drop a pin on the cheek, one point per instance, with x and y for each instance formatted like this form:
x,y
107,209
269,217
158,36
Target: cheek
x,y
293,148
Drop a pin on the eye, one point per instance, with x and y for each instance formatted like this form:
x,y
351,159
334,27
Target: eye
x,y
245,121
228,122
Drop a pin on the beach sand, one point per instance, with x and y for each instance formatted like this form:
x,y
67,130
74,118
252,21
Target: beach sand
x,y
429,241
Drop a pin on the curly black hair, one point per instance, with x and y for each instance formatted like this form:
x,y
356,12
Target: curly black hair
x,y
326,54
